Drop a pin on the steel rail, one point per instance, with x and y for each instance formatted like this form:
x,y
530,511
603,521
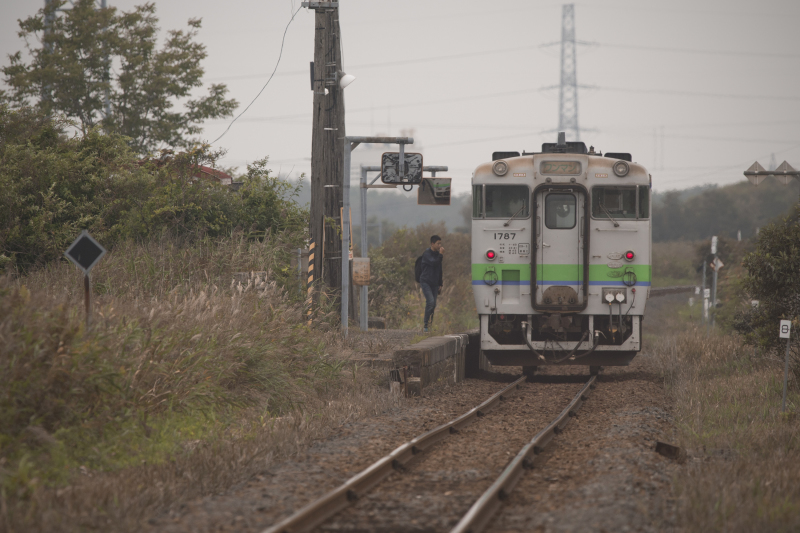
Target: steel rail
x,y
318,511
490,501
663,291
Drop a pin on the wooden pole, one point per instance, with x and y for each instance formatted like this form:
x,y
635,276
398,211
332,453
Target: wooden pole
x,y
87,299
327,165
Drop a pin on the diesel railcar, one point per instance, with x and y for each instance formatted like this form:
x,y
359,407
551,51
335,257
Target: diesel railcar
x,y
561,256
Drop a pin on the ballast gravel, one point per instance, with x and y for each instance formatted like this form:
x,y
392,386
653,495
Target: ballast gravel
x,y
601,474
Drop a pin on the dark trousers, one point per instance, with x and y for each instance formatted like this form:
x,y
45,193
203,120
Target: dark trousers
x,y
430,301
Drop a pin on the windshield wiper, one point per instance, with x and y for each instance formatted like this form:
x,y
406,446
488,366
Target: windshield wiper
x,y
616,224
512,216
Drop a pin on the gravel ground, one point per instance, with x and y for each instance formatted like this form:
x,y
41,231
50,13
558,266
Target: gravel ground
x,y
438,489
601,474
285,487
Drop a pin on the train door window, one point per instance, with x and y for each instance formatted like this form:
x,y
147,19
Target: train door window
x,y
559,211
507,201
477,201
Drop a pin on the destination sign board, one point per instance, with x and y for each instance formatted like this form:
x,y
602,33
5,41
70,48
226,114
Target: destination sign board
x,y
563,168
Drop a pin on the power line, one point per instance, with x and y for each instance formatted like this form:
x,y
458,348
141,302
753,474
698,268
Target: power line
x,y
716,13
733,167
280,54
695,93
430,59
449,57
735,53
529,91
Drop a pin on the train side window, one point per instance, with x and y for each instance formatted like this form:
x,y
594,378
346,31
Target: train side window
x,y
506,201
559,211
644,201
477,201
620,202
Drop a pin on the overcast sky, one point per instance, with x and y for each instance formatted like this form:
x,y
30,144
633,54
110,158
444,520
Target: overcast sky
x,y
695,90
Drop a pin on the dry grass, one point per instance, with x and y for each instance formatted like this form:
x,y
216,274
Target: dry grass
x,y
744,455
674,263
186,382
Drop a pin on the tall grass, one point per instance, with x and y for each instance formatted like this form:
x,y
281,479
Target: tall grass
x,y
394,294
744,455
187,379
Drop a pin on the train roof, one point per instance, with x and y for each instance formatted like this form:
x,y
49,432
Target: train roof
x,y
564,147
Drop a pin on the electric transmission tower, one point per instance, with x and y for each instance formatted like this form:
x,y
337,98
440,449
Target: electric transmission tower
x,y
568,95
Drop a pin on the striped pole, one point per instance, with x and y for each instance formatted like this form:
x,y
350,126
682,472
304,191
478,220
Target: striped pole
x,y
310,284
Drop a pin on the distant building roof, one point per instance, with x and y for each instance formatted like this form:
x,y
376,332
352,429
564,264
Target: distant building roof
x,y
213,174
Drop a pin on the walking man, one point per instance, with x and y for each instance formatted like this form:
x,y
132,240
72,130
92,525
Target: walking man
x,y
431,277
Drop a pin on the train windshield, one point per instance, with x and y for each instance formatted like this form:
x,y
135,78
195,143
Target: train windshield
x,y
621,202
506,201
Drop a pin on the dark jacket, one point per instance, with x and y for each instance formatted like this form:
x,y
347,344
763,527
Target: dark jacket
x,y
431,268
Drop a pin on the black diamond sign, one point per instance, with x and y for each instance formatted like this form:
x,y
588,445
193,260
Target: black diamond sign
x,y
85,252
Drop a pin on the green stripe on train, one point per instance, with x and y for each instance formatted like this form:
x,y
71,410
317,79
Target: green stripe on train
x,y
479,270
604,273
556,272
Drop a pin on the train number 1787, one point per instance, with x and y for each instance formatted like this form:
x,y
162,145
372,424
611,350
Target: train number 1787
x,y
505,236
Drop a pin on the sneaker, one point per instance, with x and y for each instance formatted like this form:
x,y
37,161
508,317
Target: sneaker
x,y
425,330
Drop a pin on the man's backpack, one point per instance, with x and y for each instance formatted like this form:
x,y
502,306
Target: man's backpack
x,y
418,269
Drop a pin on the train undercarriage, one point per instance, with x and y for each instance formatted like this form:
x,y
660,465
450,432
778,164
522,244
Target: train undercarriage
x,y
569,339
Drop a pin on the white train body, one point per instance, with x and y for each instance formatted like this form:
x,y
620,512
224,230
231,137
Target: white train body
x,y
561,256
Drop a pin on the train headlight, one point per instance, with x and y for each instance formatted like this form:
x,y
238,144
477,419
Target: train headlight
x,y
621,168
500,168
629,255
491,255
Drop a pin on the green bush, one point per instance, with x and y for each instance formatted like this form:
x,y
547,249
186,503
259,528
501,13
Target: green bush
x,y
53,186
772,279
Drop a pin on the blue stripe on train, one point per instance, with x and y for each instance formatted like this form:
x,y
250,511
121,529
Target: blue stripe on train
x,y
604,283
501,282
566,283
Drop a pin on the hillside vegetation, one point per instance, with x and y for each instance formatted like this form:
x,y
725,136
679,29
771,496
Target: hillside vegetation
x,y
722,211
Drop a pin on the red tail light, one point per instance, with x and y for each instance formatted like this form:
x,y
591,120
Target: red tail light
x,y
629,255
491,255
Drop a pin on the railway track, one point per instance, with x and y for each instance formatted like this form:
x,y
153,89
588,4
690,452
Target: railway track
x,y
401,459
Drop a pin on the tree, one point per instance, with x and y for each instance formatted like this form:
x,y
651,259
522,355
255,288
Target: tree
x,y
772,279
77,55
53,185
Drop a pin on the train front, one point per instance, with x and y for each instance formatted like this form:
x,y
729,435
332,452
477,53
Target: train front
x,y
561,249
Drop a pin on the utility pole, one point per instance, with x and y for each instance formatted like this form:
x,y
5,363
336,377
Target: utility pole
x,y
328,132
568,94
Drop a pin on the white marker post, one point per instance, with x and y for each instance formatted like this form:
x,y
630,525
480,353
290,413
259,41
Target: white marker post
x,y
785,332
